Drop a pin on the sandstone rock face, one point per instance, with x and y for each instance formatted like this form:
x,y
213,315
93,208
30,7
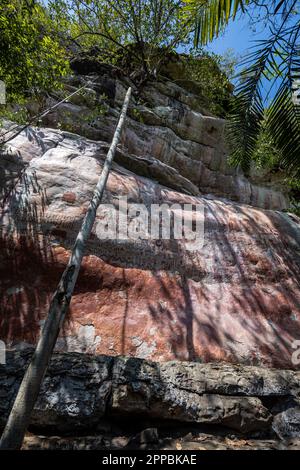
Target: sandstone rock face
x,y
167,123
234,298
80,390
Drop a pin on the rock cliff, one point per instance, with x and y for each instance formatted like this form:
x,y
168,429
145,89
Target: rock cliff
x,y
167,125
235,299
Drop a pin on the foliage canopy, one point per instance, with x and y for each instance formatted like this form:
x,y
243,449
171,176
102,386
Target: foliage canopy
x,y
32,58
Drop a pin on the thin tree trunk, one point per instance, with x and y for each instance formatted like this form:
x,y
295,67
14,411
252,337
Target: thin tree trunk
x,y
19,418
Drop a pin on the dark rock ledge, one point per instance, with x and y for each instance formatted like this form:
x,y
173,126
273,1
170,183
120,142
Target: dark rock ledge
x,y
85,395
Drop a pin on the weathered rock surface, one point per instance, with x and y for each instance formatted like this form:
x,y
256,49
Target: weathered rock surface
x,y
84,394
236,298
166,123
286,423
232,299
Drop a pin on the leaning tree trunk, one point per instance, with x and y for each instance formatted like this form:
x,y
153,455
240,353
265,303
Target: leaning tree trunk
x,y
19,418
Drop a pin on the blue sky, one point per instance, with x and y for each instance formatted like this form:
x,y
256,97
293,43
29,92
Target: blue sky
x,y
238,36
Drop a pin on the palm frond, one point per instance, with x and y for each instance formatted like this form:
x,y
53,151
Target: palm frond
x,y
211,16
247,113
283,116
271,69
283,122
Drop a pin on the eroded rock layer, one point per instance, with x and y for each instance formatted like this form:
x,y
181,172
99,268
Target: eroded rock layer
x,y
169,136
87,395
234,298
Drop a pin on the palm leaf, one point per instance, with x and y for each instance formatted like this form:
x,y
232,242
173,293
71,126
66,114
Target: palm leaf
x,y
211,16
275,63
247,114
283,116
